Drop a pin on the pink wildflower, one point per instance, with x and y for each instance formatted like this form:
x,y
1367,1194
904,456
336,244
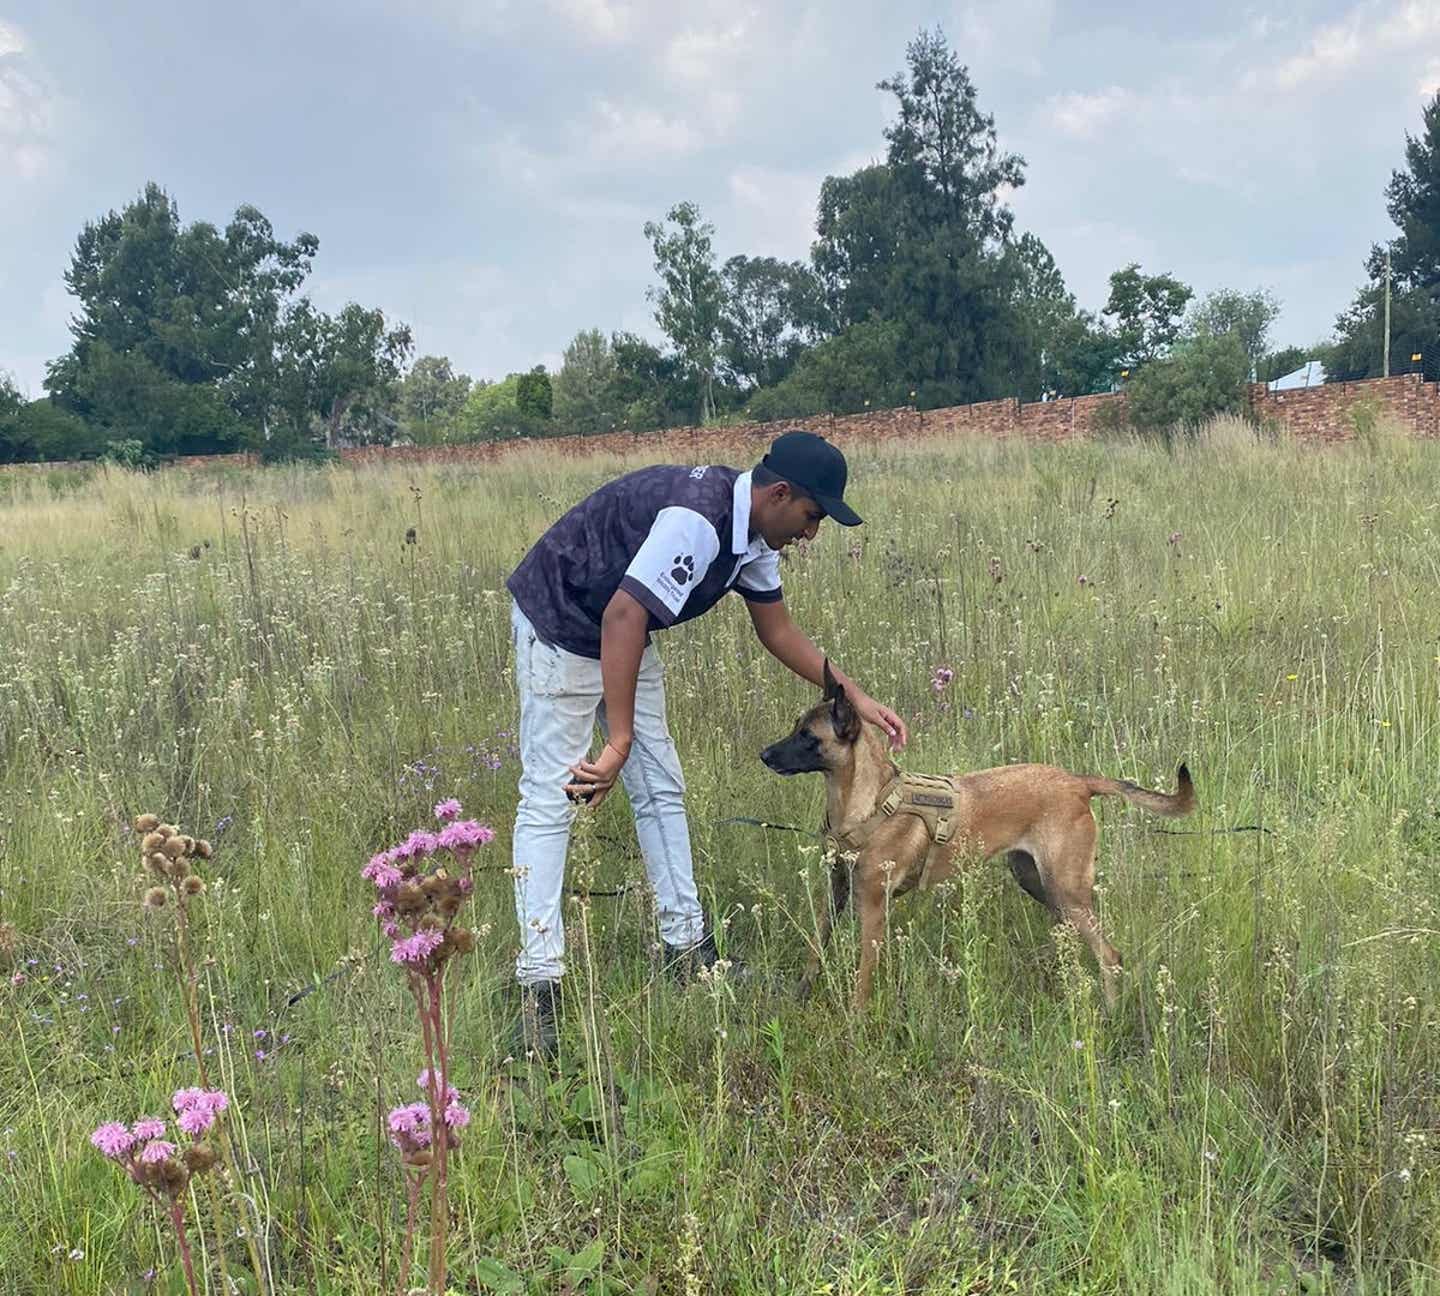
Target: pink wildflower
x,y
385,909
409,1118
452,1094
421,843
112,1140
150,1127
196,1120
156,1150
184,1099
457,1115
203,1104
417,948
447,810
389,930
941,679
382,872
466,835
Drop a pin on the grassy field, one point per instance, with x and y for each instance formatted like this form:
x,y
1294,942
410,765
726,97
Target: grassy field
x,y
262,659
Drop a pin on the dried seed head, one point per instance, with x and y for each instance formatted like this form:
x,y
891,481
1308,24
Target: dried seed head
x,y
203,849
152,842
155,898
174,847
167,830
146,823
409,899
463,939
193,885
159,864
199,1157
419,1157
189,844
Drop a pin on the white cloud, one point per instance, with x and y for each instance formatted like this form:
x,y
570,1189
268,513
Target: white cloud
x,y
1428,85
1368,32
623,134
602,21
1004,32
26,112
1081,115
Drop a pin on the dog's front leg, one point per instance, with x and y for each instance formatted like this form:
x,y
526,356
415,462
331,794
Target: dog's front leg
x,y
870,902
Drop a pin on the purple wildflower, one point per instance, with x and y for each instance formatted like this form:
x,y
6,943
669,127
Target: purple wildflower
x,y
466,835
417,948
149,1127
112,1140
452,1094
457,1115
196,1120
156,1150
941,679
447,810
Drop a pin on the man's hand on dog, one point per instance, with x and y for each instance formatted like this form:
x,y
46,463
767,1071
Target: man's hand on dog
x,y
594,779
872,712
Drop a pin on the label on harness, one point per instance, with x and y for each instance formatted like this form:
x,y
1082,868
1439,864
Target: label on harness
x,y
937,799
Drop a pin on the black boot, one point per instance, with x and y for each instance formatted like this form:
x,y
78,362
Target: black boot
x,y
685,962
538,1032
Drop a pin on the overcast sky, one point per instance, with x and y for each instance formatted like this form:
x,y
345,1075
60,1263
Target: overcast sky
x,y
482,168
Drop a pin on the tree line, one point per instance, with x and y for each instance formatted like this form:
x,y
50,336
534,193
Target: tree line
x,y
918,290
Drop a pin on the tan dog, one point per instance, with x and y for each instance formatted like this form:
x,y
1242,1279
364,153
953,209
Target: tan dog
x,y
904,832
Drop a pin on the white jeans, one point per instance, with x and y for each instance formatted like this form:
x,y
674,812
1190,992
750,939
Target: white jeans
x,y
561,701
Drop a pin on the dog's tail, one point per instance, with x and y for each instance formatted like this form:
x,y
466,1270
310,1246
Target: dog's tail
x,y
1170,804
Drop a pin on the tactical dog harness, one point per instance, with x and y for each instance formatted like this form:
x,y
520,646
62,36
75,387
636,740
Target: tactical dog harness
x,y
927,797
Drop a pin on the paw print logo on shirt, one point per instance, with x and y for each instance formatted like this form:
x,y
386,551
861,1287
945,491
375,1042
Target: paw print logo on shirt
x,y
683,569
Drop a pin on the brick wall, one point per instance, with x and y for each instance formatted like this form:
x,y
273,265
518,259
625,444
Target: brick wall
x,y
1325,414
1320,414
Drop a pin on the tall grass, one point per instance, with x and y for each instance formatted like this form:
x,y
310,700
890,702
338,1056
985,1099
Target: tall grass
x,y
265,658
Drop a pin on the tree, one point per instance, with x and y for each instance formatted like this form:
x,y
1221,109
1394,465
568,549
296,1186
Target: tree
x,y
1147,311
584,389
860,368
1202,377
189,338
651,389
769,312
40,429
688,302
856,246
186,306
533,394
921,239
1413,200
1359,348
1248,316
431,397
338,373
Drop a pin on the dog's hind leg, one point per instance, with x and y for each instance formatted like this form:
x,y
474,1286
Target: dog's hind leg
x,y
825,924
1070,879
1027,874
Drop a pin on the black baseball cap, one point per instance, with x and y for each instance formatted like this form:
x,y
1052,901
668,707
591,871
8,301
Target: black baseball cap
x,y
813,465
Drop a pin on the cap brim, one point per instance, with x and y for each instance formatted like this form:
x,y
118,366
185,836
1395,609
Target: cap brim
x,y
839,510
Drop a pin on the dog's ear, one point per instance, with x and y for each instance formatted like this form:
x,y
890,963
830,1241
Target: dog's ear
x,y
845,718
832,686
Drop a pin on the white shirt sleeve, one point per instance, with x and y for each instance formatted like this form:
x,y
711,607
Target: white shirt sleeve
x,y
673,560
759,579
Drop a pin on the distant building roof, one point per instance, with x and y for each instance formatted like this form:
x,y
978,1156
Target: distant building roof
x,y
1310,374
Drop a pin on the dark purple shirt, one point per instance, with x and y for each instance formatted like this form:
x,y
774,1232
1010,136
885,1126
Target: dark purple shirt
x,y
676,538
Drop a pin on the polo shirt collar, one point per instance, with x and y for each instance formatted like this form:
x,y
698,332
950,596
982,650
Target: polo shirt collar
x,y
740,528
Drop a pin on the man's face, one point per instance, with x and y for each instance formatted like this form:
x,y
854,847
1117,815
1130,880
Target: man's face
x,y
790,517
